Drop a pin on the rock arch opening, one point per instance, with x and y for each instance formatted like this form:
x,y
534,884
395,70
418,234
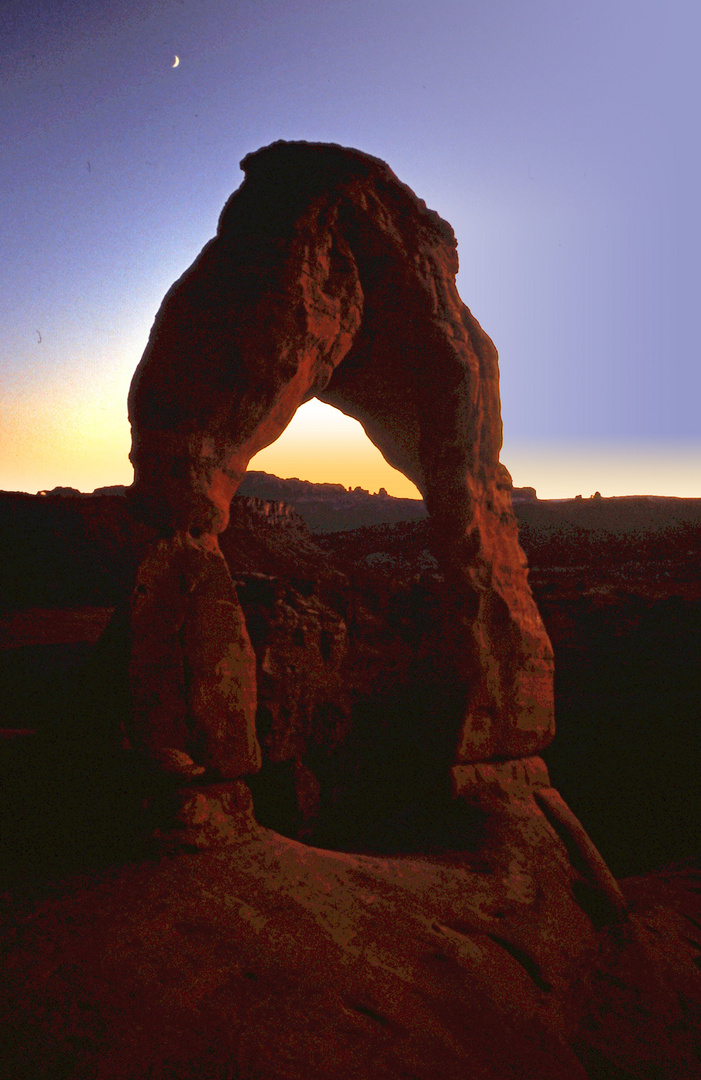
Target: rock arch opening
x,y
329,279
325,446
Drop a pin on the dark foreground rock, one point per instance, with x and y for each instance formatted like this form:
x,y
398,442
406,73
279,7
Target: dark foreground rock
x,y
336,623
265,958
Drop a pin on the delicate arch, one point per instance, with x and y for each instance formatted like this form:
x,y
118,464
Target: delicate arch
x,y
328,277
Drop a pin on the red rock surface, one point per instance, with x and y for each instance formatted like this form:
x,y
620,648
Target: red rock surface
x,y
329,278
617,582
192,670
262,958
222,949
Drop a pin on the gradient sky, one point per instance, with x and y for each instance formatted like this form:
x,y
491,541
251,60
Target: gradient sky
x,y
559,139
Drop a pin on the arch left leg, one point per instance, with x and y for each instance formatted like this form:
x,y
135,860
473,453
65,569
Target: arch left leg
x,y
240,342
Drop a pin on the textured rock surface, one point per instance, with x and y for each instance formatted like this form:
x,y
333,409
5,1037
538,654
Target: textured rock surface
x,y
268,959
617,582
329,278
192,668
497,950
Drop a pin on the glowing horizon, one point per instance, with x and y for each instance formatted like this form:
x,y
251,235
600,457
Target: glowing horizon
x,y
572,198
323,445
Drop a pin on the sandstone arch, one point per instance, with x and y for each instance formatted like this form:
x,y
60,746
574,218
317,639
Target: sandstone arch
x,y
327,277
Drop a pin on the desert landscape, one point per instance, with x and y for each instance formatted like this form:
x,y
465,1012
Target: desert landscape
x,y
349,671
617,581
282,795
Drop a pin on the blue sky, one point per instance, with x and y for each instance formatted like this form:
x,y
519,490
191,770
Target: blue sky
x,y
559,139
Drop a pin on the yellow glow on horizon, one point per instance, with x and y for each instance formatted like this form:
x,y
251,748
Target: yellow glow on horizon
x,y
325,446
613,469
47,442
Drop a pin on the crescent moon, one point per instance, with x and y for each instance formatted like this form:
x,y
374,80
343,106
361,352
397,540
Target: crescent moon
x,y
176,61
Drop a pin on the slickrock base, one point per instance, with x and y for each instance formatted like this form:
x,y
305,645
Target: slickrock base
x,y
521,788
196,816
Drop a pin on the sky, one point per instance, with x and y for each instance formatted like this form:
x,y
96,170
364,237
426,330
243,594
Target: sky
x,y
559,138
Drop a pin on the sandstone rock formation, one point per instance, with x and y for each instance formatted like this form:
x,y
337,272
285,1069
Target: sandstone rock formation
x,y
329,278
504,952
617,583
266,958
192,667
330,507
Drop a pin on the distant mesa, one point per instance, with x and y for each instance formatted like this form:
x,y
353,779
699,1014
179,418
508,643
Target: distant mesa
x,y
111,489
74,493
65,492
325,507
